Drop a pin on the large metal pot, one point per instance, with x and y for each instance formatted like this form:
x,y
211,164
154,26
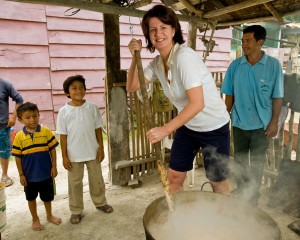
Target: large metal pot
x,y
207,216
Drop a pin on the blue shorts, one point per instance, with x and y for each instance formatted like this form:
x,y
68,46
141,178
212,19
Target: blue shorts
x,y
215,147
44,188
5,146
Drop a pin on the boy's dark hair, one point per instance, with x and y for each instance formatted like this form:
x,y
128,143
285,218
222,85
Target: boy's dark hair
x,y
259,32
28,106
72,79
167,16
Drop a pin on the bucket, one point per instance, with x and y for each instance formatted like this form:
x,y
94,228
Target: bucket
x,y
2,207
207,216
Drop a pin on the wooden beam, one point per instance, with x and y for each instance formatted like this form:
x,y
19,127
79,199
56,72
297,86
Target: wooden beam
x,y
234,8
179,6
234,23
106,8
141,3
129,163
106,1
274,12
191,8
219,5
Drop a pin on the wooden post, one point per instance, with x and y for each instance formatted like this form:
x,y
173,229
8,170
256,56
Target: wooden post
x,y
116,102
192,36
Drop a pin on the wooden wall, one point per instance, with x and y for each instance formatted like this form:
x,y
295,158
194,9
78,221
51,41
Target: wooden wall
x,y
40,47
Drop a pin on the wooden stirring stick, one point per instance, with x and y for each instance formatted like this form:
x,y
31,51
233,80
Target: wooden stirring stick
x,y
160,165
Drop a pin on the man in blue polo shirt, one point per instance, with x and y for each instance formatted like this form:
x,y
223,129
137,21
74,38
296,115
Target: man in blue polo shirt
x,y
253,86
6,122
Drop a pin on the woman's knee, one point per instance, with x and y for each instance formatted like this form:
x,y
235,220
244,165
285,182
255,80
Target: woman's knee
x,y
176,177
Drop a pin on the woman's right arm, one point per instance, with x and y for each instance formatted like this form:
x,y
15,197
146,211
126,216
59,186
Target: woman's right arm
x,y
133,83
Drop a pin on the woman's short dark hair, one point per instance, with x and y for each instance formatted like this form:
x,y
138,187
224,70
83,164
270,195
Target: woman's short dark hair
x,y
28,106
70,80
167,16
259,32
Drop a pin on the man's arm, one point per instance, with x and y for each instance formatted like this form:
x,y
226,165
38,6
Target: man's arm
x,y
13,118
229,100
272,128
16,97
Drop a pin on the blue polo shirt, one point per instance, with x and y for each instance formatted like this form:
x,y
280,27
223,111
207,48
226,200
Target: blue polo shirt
x,y
253,88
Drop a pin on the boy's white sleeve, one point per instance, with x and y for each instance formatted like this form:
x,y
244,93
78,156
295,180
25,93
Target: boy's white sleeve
x,y
98,118
61,124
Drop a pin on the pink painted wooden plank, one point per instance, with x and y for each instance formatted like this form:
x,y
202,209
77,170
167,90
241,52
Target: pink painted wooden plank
x,y
58,64
222,46
76,37
42,98
22,11
218,56
221,33
97,98
47,119
33,33
126,27
132,20
145,54
125,39
57,11
27,78
125,63
94,79
21,56
72,24
59,101
64,50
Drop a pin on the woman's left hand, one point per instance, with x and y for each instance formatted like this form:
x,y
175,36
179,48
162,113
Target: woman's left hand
x,y
157,134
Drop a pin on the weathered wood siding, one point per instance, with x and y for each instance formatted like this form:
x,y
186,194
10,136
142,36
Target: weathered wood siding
x,y
40,47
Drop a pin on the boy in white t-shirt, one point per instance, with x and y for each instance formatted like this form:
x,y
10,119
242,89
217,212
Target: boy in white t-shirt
x,y
79,124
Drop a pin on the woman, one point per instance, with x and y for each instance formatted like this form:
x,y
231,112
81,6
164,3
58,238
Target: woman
x,y
202,119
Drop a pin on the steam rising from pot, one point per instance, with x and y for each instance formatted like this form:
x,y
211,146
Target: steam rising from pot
x,y
210,216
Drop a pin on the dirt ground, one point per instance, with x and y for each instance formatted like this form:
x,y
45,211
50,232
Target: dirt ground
x,y
125,223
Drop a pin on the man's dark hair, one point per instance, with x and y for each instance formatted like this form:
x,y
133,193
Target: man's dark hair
x,y
72,79
167,16
259,32
28,106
